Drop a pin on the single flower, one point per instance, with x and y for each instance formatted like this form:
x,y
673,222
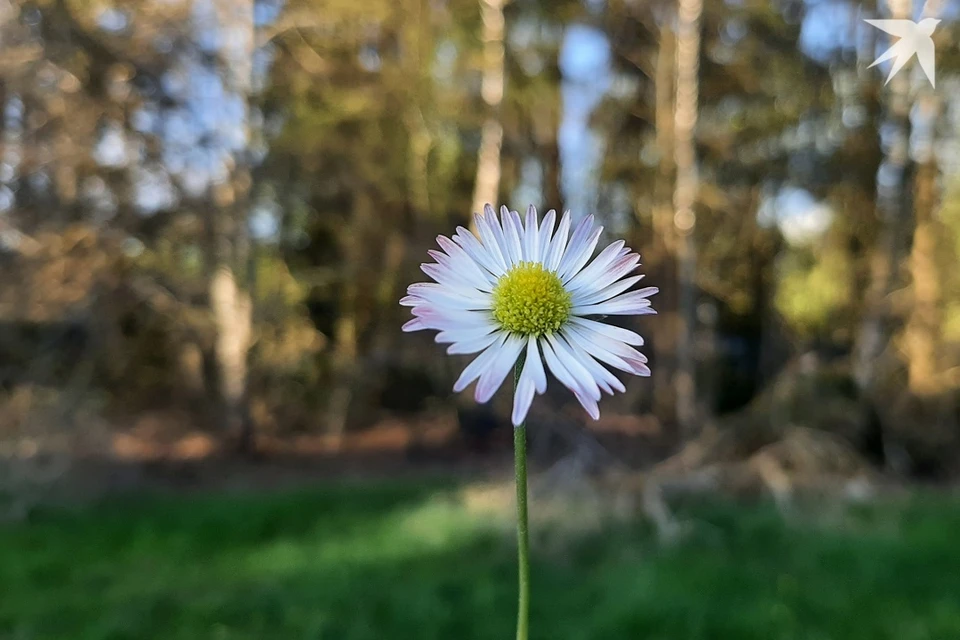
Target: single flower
x,y
523,287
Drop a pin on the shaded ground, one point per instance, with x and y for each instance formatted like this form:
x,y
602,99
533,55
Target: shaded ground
x,y
358,562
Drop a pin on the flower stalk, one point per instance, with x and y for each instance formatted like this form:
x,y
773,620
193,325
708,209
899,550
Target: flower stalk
x,y
523,532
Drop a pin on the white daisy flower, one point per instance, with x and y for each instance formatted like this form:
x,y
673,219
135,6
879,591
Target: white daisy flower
x,y
527,289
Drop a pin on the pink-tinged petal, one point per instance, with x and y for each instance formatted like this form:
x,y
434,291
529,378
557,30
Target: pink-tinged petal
x,y
568,380
411,301
607,381
462,335
461,258
413,325
620,267
493,377
585,380
479,365
582,244
529,382
446,320
558,244
546,234
511,236
581,298
531,238
473,274
601,263
490,240
627,304
493,222
616,354
472,345
453,299
609,330
457,280
536,365
473,248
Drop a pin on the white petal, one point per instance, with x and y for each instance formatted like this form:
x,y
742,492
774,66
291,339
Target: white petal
x,y
558,244
455,280
620,267
472,345
478,277
460,259
451,298
490,241
503,363
581,247
531,237
494,223
546,233
600,264
609,330
473,248
511,236
461,335
414,325
584,297
479,364
616,354
446,320
573,365
532,380
607,381
568,380
627,304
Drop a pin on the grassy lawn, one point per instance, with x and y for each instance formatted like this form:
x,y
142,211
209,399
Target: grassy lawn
x,y
382,562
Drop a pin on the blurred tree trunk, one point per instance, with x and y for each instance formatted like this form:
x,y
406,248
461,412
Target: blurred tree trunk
x,y
892,209
487,186
661,256
922,332
230,301
689,13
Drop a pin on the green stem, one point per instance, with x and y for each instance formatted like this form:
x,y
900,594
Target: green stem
x,y
523,533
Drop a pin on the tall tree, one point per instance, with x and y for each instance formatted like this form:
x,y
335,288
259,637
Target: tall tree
x,y
689,13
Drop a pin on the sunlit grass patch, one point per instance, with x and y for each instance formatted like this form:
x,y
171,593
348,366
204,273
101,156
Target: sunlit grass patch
x,y
419,561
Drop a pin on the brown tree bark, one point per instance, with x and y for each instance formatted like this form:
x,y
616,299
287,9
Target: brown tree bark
x,y
689,13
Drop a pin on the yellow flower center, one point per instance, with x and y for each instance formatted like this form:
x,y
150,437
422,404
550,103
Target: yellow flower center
x,y
529,300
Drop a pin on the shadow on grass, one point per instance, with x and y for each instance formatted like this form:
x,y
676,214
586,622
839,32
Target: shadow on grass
x,y
406,561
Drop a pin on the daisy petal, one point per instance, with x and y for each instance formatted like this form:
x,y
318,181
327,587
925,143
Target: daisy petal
x,y
607,381
609,330
531,237
413,325
568,380
546,234
558,244
489,240
479,364
627,304
473,248
472,345
582,244
511,236
601,263
503,362
532,380
494,223
575,367
582,299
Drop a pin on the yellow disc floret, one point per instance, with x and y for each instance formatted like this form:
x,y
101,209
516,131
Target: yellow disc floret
x,y
529,300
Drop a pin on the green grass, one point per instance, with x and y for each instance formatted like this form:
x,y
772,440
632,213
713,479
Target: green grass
x,y
383,563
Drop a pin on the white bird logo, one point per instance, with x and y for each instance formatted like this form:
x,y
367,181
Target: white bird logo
x,y
915,38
